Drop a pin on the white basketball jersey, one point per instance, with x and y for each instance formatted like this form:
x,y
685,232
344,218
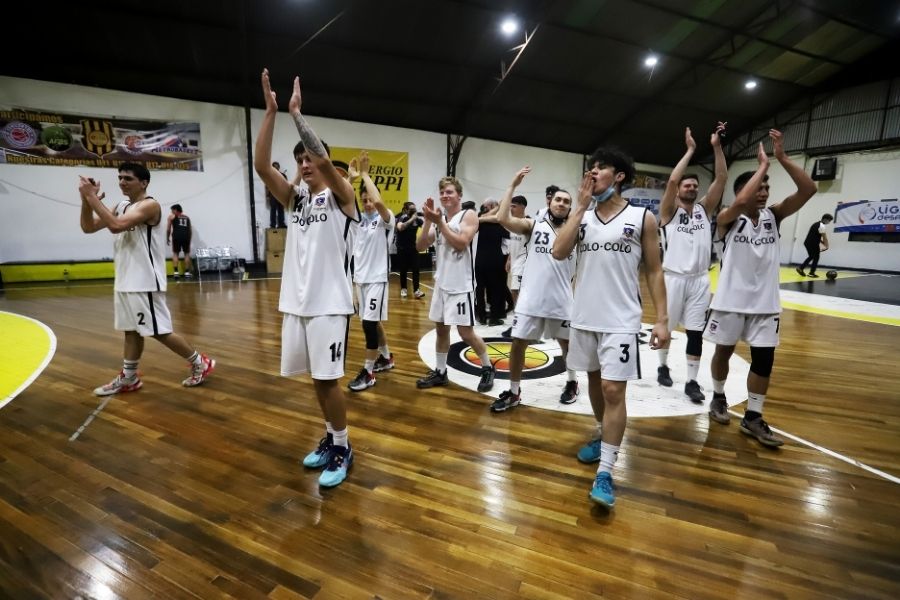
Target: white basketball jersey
x,y
607,292
316,277
687,242
455,270
748,281
546,289
140,254
518,252
371,252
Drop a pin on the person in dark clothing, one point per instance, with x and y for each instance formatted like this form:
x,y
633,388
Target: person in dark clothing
x,y
408,223
276,210
178,233
490,266
816,241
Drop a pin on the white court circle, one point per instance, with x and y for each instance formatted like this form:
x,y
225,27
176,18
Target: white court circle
x,y
644,398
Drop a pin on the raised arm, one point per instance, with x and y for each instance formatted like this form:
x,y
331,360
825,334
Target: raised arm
x,y
340,187
806,187
90,223
372,189
713,196
169,227
432,216
655,282
468,227
143,212
667,204
745,198
509,222
280,189
567,235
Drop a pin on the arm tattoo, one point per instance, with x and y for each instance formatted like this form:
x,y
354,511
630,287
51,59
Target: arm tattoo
x,y
308,137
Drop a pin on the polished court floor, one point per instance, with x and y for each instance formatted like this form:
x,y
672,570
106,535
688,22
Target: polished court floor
x,y
197,493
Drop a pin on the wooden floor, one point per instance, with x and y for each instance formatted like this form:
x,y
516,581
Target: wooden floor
x,y
197,493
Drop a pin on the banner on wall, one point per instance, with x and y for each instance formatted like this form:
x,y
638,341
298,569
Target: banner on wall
x,y
864,216
389,171
35,137
647,190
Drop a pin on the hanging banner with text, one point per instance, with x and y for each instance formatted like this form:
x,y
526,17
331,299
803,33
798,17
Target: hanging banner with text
x,y
389,171
646,190
35,137
868,217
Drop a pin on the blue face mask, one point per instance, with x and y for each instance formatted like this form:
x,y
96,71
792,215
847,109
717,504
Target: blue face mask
x,y
600,198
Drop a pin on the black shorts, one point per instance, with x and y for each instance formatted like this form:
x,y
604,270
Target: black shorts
x,y
181,246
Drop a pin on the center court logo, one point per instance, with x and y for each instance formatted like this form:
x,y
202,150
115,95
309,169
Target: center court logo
x,y
541,361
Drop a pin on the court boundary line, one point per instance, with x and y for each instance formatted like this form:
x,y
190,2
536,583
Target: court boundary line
x,y
50,354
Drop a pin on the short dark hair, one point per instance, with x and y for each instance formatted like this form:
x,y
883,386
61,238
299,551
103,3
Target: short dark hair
x,y
689,176
467,205
827,217
300,149
551,189
610,156
176,207
521,200
139,170
743,178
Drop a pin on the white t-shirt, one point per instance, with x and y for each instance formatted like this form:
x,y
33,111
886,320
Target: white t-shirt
x,y
318,249
687,242
518,252
546,289
751,260
371,252
139,254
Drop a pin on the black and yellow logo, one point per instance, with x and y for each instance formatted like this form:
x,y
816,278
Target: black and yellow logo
x,y
538,363
97,136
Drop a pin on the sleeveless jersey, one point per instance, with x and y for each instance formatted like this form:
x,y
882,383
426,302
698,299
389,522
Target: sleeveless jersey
x,y
751,259
546,282
181,227
607,292
518,252
455,270
371,253
316,277
140,255
687,242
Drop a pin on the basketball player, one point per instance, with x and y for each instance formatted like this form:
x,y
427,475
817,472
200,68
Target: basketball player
x,y
140,275
316,291
371,258
746,305
612,240
687,244
451,231
548,194
178,233
815,243
515,260
545,304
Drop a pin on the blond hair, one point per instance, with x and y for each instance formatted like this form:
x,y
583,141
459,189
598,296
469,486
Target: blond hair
x,y
449,180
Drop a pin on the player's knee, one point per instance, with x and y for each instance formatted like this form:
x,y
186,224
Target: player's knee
x,y
761,361
370,329
694,343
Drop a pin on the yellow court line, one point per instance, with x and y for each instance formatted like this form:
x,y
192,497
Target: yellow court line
x,y
28,347
841,314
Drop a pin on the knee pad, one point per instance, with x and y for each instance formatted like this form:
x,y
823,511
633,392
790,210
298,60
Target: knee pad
x,y
694,343
370,329
761,361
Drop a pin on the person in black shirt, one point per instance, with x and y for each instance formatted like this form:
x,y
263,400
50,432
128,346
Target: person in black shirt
x,y
178,233
408,223
490,266
276,210
816,241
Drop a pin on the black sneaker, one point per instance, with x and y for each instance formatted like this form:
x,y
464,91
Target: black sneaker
x,y
800,272
570,393
487,379
432,378
384,363
692,391
813,275
507,333
663,377
364,380
493,322
718,409
759,429
506,401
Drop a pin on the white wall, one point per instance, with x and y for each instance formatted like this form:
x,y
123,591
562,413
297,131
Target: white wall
x,y
861,176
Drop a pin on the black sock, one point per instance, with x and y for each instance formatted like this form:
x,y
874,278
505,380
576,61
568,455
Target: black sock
x,y
752,415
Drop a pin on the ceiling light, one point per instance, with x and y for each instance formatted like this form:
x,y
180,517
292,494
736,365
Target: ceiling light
x,y
750,84
509,26
651,61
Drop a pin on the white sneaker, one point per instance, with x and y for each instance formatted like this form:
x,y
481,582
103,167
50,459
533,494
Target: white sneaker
x,y
419,294
403,293
119,385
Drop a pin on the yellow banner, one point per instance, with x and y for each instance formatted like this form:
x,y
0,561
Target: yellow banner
x,y
389,171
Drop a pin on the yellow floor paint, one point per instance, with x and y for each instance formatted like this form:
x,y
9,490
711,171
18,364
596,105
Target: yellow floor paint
x,y
27,348
841,314
785,275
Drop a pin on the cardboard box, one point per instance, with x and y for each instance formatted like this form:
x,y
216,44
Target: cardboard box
x,y
275,240
274,262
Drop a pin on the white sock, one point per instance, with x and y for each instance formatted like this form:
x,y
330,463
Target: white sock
x,y
385,351
340,437
608,456
441,358
129,368
369,365
663,356
195,359
755,402
599,430
329,428
570,375
485,359
693,369
514,387
719,386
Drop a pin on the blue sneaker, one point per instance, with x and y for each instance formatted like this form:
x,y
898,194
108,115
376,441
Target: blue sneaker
x,y
318,457
339,461
590,452
602,492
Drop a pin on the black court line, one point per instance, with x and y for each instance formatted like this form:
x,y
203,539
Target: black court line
x,y
884,289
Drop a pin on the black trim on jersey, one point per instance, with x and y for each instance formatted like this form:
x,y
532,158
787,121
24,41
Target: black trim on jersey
x,y
381,303
348,252
471,311
387,254
150,254
346,338
616,216
152,314
637,351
